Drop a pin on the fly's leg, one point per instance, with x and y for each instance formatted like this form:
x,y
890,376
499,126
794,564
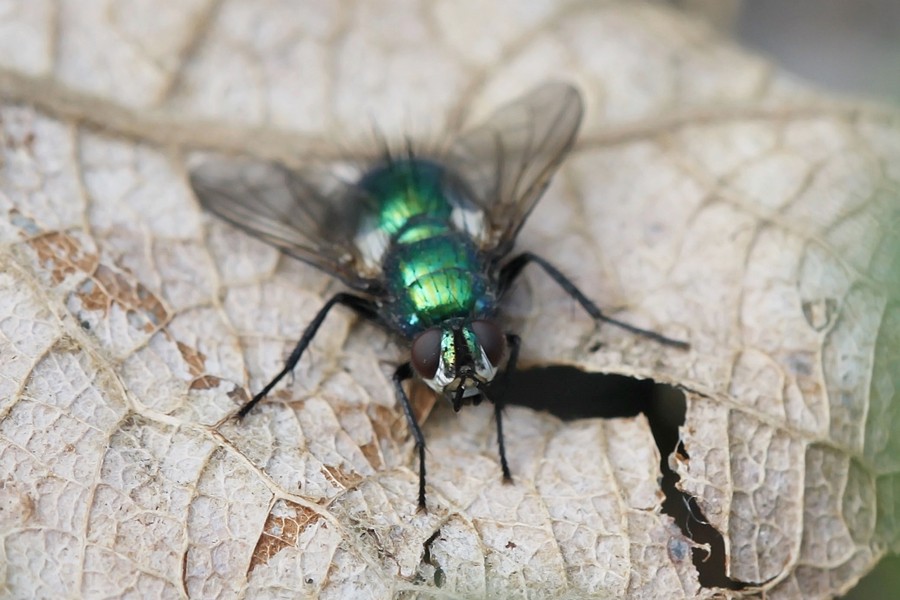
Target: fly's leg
x,y
513,341
364,307
513,268
403,373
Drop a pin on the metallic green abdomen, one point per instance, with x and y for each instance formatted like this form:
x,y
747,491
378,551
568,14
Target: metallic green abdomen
x,y
433,271
435,279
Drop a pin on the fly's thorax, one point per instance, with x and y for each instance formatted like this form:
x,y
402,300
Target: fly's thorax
x,y
408,200
459,358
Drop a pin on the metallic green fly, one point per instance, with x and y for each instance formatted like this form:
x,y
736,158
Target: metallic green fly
x,y
422,240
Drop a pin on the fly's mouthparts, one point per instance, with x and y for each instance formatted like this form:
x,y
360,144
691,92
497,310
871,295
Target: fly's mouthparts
x,y
457,398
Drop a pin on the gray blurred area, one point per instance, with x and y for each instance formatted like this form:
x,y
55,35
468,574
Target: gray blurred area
x,y
850,46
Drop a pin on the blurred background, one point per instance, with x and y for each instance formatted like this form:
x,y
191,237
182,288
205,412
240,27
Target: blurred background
x,y
848,46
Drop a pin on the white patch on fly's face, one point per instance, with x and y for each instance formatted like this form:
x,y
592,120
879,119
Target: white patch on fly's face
x,y
445,382
373,243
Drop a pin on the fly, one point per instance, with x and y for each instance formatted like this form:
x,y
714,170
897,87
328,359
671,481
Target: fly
x,y
422,240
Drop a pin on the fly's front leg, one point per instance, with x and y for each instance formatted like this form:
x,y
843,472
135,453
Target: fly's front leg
x,y
513,268
363,306
513,342
403,373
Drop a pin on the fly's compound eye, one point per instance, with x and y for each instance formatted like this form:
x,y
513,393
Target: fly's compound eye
x,y
491,339
426,353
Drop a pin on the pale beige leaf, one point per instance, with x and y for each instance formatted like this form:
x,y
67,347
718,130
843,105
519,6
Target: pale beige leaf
x,y
709,197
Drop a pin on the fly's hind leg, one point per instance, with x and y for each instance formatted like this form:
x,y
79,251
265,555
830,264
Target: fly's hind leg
x,y
513,268
363,306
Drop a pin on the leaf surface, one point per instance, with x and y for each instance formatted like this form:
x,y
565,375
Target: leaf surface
x,y
709,197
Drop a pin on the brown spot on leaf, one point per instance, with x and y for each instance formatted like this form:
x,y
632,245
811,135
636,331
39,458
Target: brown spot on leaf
x,y
133,295
239,395
346,479
423,400
62,255
206,382
108,286
195,359
196,362
282,531
384,422
390,424
372,454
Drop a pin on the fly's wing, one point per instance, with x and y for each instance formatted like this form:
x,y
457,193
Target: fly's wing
x,y
508,161
310,215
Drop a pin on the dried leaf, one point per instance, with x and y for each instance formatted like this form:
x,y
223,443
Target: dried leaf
x,y
709,197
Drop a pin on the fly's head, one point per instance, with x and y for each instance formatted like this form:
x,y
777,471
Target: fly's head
x,y
459,358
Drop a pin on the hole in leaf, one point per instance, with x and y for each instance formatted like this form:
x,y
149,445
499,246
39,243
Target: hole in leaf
x,y
608,396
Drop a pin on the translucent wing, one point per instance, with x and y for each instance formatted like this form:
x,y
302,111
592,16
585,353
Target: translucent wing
x,y
310,215
508,161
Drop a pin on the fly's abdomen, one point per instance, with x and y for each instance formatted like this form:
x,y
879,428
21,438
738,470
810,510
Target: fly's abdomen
x,y
433,279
